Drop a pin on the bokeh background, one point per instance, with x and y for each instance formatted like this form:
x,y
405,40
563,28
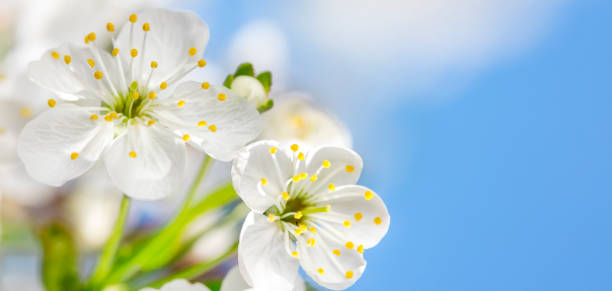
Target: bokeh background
x,y
486,127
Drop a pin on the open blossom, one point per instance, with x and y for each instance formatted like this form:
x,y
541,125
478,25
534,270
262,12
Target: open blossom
x,y
128,106
306,211
295,119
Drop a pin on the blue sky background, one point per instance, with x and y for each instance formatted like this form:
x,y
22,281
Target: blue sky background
x,y
503,184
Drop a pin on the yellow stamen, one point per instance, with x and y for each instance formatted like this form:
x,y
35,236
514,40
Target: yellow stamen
x,y
264,181
51,103
110,27
74,156
295,254
212,128
350,168
347,223
151,122
113,114
201,63
108,117
326,164
55,55
154,64
186,137
205,85
349,274
152,95
313,229
331,187
295,147
336,252
273,150
94,117
321,271
301,156
221,96
349,245
271,217
146,26
163,85
298,231
360,249
285,196
91,62
377,220
115,52
201,123
133,154
181,103
192,51
135,95
91,36
134,53
358,216
368,195
298,215
313,178
98,75
133,18
67,59
311,242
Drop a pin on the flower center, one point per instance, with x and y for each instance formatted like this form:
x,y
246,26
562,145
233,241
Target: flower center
x,y
132,104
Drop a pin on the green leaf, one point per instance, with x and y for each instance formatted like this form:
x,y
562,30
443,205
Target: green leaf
x,y
59,267
245,69
228,81
265,79
266,106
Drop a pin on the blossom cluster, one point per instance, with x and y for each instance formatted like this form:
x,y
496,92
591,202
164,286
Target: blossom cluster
x,y
131,106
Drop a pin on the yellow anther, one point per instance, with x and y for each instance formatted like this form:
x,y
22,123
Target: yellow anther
x,y
313,178
186,137
326,164
150,122
321,271
368,195
360,249
98,75
271,217
303,176
163,85
350,168
296,178
285,196
115,52
67,59
108,117
55,55
135,95
311,242
377,220
358,216
51,103
221,96
349,274
205,85
181,103
298,231
91,62
74,156
295,147
347,223
263,181
201,123
313,229
91,36
273,150
146,26
110,27
295,254
133,18
201,63
152,95
331,187
336,252
85,40
192,51
212,128
298,215
133,154
303,226
113,114
154,64
349,245
94,117
134,53
25,112
301,156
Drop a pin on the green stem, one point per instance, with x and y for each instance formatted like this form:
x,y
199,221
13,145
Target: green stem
x,y
163,238
196,270
107,257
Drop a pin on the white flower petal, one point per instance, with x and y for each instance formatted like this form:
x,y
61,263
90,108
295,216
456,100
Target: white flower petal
x,y
180,285
68,73
364,210
262,258
233,281
147,162
46,144
218,122
250,88
330,270
171,36
254,163
344,167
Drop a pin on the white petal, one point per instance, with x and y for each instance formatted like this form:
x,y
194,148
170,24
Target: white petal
x,y
326,268
369,219
180,285
74,79
147,162
235,121
46,144
262,258
171,36
250,88
233,281
345,167
255,162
